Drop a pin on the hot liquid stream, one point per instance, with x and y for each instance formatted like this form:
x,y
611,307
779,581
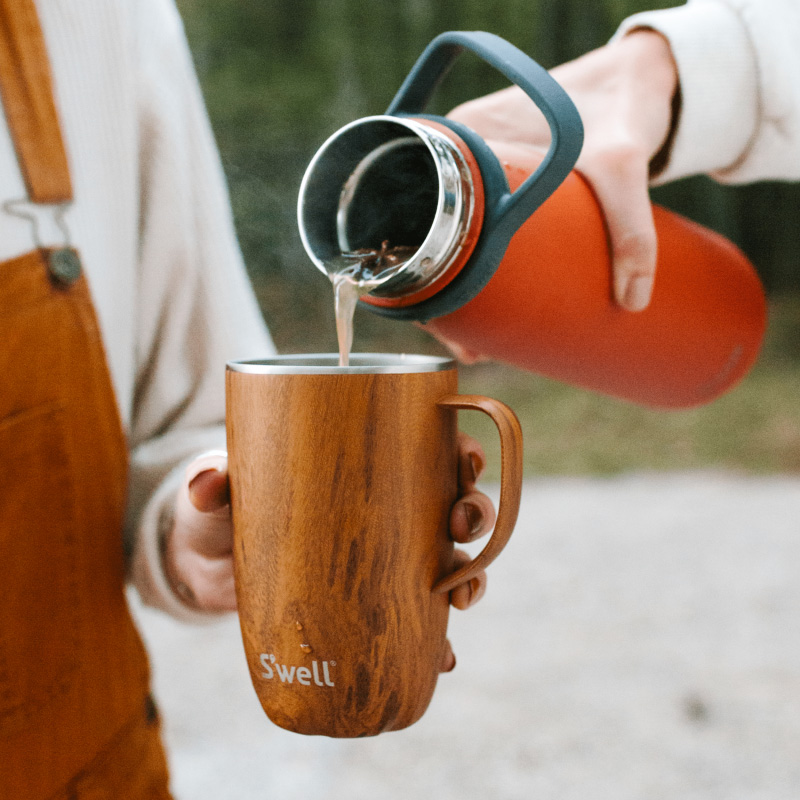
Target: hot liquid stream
x,y
355,274
346,291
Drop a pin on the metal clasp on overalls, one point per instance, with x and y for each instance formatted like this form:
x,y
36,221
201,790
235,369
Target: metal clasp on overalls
x,y
63,262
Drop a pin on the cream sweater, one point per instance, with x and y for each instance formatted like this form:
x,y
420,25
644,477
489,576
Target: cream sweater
x,y
152,222
739,65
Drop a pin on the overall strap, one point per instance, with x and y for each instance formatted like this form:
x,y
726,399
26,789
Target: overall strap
x,y
26,88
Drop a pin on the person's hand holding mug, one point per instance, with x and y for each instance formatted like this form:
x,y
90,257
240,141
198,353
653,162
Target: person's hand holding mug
x,y
198,556
624,92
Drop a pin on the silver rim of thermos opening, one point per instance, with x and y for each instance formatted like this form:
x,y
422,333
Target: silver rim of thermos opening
x,y
346,159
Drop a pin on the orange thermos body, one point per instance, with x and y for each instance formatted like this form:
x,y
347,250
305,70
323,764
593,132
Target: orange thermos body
x,y
512,258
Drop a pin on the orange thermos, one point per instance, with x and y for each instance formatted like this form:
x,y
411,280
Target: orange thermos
x,y
512,258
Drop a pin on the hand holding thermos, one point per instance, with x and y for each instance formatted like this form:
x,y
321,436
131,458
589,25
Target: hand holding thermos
x,y
513,260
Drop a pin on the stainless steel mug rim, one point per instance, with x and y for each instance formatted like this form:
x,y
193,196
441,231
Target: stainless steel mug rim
x,y
328,364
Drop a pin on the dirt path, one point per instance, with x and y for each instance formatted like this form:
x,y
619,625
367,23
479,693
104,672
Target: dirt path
x,y
640,640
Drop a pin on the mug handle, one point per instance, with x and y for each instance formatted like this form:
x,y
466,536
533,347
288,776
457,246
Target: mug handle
x,y
510,483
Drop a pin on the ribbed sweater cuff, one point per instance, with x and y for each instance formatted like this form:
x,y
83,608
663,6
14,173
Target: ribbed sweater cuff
x,y
719,86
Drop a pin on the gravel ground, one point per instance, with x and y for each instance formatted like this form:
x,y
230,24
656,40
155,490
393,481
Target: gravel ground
x,y
640,640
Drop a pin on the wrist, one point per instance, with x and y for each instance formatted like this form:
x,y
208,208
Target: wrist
x,y
654,60
718,71
663,78
656,69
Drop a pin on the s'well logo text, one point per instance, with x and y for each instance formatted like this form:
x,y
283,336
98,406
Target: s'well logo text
x,y
304,675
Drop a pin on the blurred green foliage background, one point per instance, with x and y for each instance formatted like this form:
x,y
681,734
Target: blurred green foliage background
x,y
279,77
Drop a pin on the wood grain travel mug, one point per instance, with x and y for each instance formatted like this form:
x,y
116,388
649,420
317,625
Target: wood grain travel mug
x,y
342,481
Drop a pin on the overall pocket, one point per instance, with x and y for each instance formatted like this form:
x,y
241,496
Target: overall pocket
x,y
40,634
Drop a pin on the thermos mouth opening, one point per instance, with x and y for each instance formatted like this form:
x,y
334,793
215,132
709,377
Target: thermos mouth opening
x,y
387,179
328,364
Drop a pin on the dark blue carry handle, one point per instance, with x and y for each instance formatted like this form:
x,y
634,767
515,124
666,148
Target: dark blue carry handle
x,y
505,212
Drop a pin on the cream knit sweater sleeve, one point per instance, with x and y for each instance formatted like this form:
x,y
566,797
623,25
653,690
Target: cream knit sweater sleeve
x,y
739,67
196,310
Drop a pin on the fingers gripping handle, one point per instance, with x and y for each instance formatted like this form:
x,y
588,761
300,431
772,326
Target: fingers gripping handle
x,y
510,483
